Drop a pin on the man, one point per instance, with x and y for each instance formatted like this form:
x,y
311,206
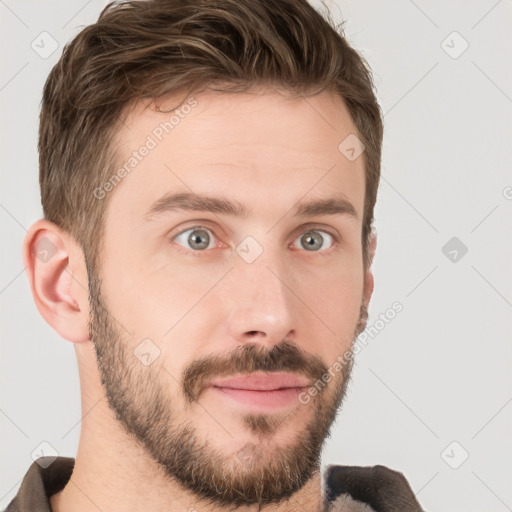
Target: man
x,y
208,176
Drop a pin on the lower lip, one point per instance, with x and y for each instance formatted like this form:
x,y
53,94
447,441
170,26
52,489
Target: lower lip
x,y
262,400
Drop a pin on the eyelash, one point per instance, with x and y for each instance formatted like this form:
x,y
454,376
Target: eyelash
x,y
335,243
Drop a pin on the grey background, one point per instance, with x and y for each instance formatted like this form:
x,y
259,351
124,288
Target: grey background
x,y
439,372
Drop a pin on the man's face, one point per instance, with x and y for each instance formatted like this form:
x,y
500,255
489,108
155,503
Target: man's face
x,y
198,297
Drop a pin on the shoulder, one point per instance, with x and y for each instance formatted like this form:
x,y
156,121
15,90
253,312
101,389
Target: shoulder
x,y
45,476
382,488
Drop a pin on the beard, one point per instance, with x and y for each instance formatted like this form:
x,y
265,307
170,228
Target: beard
x,y
260,473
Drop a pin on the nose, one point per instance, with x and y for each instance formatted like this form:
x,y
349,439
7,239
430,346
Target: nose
x,y
262,305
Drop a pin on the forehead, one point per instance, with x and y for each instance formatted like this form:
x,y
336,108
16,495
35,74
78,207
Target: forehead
x,y
263,147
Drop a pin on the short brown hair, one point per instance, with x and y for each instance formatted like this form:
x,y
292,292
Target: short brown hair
x,y
151,48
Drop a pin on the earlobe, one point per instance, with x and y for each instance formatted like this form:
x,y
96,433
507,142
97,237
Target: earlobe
x,y
57,276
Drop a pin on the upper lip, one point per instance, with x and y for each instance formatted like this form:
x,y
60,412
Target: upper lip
x,y
262,382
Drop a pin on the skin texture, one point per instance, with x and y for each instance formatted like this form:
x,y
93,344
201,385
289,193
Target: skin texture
x,y
154,436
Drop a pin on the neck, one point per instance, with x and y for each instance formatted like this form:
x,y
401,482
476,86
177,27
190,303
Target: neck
x,y
108,478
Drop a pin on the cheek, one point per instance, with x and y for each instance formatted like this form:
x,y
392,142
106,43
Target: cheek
x,y
343,307
151,295
335,297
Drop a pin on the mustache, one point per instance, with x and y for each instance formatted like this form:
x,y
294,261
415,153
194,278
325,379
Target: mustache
x,y
250,358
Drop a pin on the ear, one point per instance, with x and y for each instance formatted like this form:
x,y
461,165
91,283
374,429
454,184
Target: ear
x,y
57,275
368,278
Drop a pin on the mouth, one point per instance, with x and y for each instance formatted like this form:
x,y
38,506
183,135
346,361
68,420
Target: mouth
x,y
262,392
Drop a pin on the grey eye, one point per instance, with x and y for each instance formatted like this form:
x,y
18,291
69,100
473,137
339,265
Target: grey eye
x,y
195,238
314,241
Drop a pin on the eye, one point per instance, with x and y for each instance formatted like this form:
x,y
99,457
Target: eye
x,y
197,238
314,240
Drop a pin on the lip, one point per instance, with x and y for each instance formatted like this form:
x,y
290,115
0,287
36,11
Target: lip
x,y
262,392
262,382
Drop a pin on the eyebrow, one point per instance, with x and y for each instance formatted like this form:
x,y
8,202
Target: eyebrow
x,y
194,202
